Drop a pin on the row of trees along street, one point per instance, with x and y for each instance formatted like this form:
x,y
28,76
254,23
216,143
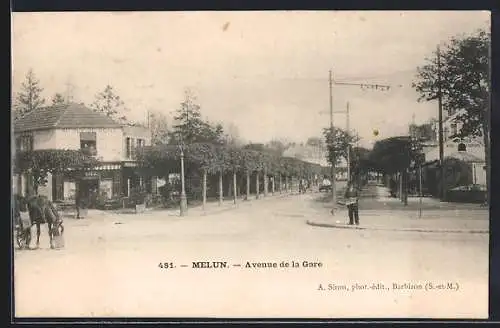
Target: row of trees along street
x,y
215,160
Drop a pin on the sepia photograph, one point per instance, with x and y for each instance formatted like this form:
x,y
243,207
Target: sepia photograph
x,y
251,164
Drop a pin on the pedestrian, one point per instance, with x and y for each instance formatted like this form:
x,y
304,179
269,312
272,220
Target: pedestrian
x,y
77,204
351,197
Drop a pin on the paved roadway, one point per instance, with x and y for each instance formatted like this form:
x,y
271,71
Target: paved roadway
x,y
109,267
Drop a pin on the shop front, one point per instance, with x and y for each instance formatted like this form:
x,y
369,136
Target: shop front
x,y
102,183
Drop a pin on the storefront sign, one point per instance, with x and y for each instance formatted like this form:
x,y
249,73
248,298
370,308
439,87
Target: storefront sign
x,y
91,175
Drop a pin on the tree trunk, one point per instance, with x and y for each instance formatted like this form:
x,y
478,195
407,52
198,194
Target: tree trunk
x,y
229,187
486,141
405,187
235,185
221,189
266,183
204,188
399,185
286,183
248,185
272,186
281,183
33,185
257,185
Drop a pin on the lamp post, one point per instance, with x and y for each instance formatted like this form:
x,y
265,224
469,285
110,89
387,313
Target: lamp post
x,y
183,205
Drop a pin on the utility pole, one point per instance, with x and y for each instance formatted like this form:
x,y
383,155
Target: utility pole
x,y
68,97
440,128
332,134
148,122
363,86
348,145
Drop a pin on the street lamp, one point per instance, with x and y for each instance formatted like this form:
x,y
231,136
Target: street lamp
x,y
183,209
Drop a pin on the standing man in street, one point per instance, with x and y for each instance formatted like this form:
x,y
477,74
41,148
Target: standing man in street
x,y
77,204
351,197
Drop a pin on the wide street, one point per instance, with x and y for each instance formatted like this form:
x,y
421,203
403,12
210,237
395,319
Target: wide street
x,y
110,265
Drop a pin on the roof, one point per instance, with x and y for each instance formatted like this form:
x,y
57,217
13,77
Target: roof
x,y
465,157
136,130
453,116
65,116
307,154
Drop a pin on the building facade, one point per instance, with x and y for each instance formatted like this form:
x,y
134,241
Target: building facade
x,y
77,127
316,155
469,149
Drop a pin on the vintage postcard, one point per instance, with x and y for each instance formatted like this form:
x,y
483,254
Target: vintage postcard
x,y
284,164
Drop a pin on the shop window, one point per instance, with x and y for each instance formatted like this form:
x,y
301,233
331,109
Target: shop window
x,y
58,187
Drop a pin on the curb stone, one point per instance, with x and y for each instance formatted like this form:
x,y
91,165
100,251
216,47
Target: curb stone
x,y
198,211
345,226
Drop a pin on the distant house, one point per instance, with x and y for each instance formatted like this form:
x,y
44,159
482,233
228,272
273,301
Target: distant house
x,y
425,132
74,126
316,155
469,150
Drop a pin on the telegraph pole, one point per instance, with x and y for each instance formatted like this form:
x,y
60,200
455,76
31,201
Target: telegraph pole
x,y
68,97
348,144
440,128
331,81
333,173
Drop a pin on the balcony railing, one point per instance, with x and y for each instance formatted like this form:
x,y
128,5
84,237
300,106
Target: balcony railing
x,y
89,151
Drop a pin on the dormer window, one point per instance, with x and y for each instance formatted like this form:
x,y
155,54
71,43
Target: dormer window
x,y
454,129
462,147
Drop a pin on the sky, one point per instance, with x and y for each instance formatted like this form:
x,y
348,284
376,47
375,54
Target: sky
x,y
264,72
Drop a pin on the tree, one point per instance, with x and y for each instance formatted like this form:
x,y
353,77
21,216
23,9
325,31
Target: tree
x,y
337,143
314,142
30,97
392,155
465,85
58,99
232,135
158,123
39,163
277,146
109,103
190,127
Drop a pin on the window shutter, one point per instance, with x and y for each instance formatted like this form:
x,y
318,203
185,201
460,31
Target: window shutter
x,y
117,182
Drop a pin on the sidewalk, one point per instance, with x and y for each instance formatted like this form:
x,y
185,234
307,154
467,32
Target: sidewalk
x,y
437,221
197,210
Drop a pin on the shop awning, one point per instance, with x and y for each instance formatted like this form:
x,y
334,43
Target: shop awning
x,y
107,167
430,164
103,167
